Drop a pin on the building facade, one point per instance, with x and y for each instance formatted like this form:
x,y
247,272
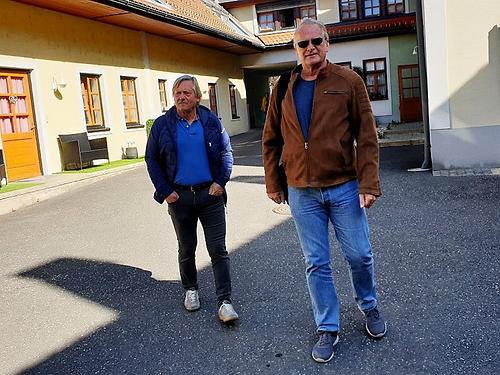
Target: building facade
x,y
105,68
377,38
64,72
462,44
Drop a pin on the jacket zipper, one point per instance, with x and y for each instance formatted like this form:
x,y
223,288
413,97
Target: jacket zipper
x,y
306,147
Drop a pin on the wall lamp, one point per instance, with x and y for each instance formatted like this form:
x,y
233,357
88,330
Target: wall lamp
x,y
415,50
58,83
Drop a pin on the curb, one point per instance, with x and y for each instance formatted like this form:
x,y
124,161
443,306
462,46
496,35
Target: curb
x,y
405,142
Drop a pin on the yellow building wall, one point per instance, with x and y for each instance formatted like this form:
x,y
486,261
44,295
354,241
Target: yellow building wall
x,y
473,62
55,45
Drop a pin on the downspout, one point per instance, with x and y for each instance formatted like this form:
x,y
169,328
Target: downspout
x,y
422,68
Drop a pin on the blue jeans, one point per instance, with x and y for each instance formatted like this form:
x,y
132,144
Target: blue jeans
x,y
312,209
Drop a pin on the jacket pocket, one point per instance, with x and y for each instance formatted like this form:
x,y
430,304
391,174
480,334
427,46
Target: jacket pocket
x,y
335,92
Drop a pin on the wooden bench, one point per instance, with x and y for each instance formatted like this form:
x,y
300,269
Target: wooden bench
x,y
78,150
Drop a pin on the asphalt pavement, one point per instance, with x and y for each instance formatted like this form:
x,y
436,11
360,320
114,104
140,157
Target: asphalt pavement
x,y
89,281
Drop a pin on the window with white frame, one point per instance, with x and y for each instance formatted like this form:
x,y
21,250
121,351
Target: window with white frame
x,y
162,90
129,96
284,15
351,10
376,78
212,98
92,103
233,98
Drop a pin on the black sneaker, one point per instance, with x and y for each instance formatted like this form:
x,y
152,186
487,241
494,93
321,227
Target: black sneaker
x,y
375,324
323,349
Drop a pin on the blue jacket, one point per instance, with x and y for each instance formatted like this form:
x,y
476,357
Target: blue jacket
x,y
161,151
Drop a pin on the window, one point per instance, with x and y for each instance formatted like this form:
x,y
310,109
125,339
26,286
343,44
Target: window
x,y
395,6
376,78
283,15
360,9
232,97
410,82
349,9
163,95
266,22
129,96
308,12
92,104
371,8
212,97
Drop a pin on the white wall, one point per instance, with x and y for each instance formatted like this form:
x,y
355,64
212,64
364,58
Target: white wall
x,y
356,52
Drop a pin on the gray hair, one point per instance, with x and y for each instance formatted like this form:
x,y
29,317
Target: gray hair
x,y
308,22
187,77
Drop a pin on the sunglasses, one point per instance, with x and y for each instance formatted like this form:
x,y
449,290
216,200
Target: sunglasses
x,y
314,42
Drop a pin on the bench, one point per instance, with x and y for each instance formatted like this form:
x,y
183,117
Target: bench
x,y
77,149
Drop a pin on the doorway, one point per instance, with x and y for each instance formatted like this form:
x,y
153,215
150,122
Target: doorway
x,y
410,104
17,126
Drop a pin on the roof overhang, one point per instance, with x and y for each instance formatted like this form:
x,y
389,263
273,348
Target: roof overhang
x,y
138,16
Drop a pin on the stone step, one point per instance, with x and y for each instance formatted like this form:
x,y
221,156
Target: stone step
x,y
401,139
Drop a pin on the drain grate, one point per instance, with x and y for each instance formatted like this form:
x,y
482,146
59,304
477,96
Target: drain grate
x,y
282,209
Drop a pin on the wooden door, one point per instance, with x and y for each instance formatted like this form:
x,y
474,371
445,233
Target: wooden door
x,y
410,103
17,126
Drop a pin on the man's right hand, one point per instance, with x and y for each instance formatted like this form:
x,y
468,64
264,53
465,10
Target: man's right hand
x,y
278,197
172,197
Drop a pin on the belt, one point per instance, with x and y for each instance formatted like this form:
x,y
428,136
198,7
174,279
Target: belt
x,y
193,187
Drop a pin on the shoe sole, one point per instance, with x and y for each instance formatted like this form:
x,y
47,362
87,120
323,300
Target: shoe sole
x,y
230,319
378,336
321,360
192,310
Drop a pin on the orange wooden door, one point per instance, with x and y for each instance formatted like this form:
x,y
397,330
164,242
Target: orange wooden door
x,y
17,126
410,103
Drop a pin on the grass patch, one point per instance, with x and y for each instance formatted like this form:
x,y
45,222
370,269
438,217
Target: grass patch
x,y
113,164
13,186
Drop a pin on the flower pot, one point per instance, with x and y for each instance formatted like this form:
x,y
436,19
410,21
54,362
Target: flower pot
x,y
131,153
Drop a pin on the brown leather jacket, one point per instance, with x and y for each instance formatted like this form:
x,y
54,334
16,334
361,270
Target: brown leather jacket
x,y
342,142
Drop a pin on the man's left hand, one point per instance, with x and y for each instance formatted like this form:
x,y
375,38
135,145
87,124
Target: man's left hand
x,y
216,189
366,200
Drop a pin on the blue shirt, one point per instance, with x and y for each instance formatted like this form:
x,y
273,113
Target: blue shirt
x,y
192,160
303,95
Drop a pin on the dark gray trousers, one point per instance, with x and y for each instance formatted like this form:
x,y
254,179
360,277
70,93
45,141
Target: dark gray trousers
x,y
185,213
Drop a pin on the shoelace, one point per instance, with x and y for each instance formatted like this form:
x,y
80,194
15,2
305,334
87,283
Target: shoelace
x,y
325,338
191,295
372,314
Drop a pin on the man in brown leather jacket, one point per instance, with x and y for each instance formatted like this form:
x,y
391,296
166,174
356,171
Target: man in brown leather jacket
x,y
326,139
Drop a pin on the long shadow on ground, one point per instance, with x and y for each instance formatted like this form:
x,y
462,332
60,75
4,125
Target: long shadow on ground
x,y
436,244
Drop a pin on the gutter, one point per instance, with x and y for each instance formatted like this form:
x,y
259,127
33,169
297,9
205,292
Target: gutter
x,y
422,67
152,13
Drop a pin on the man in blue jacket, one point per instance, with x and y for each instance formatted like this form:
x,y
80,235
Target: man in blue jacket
x,y
189,160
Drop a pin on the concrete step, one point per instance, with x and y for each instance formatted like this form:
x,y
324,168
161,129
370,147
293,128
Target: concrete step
x,y
401,139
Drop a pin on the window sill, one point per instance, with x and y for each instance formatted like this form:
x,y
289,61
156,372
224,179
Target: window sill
x,y
135,126
96,129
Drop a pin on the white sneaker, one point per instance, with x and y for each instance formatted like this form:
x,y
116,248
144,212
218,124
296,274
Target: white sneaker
x,y
227,313
192,300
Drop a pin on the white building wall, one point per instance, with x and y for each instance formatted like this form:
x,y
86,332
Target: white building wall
x,y
463,78
357,51
354,52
